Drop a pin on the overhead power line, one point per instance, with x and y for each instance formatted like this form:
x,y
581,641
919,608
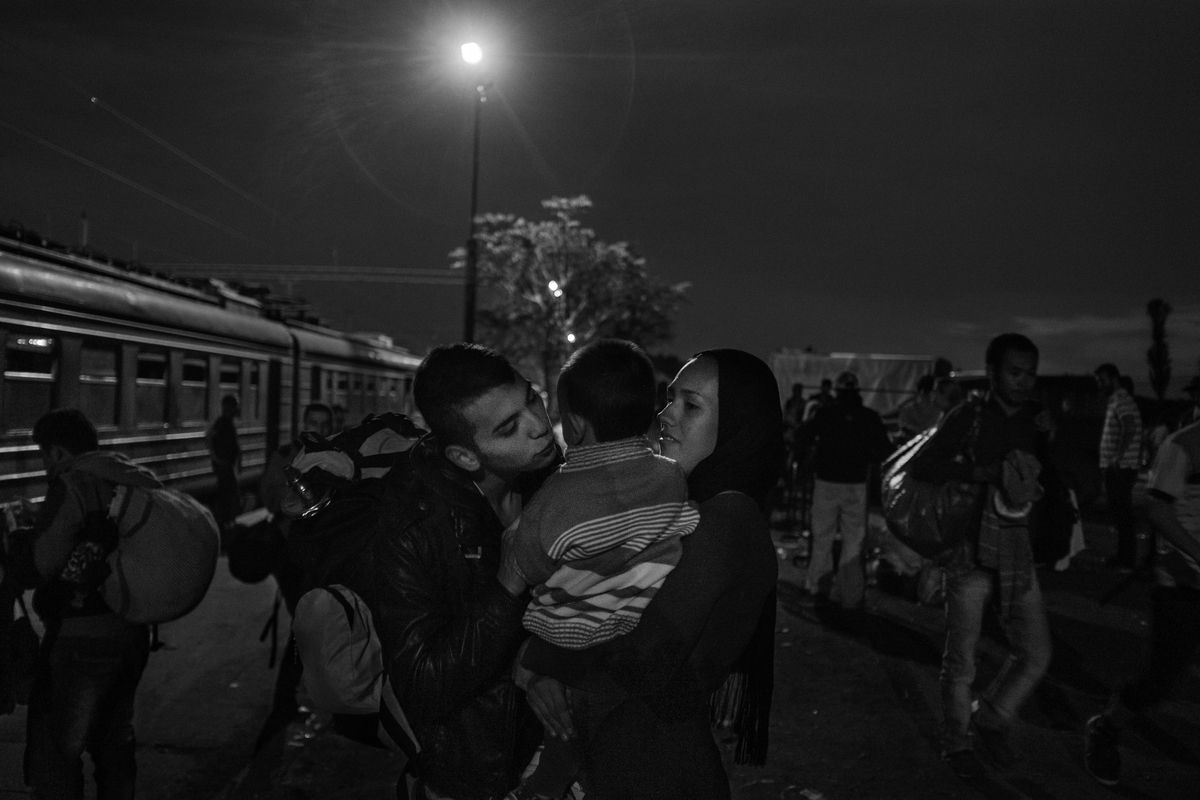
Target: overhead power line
x,y
132,184
96,101
310,272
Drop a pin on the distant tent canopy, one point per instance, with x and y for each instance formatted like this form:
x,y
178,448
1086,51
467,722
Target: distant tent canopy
x,y
885,381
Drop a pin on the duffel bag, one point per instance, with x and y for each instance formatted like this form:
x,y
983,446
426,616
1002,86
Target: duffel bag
x,y
165,557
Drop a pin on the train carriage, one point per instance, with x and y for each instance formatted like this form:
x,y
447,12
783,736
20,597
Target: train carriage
x,y
148,360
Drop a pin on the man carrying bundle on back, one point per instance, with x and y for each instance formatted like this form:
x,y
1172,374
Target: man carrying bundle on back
x,y
91,659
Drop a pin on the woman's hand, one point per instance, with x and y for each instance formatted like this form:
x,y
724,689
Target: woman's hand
x,y
551,704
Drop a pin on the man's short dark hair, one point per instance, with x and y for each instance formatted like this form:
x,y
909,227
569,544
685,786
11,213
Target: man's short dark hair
x,y
925,385
1005,343
68,428
610,383
450,378
317,408
1108,370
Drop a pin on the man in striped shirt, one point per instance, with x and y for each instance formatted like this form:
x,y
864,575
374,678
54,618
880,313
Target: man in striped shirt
x,y
1120,457
1173,503
603,532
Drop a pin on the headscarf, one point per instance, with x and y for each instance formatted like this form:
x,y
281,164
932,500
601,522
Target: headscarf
x,y
748,456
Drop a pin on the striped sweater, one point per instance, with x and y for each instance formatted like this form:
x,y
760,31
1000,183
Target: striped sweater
x,y
1121,406
598,539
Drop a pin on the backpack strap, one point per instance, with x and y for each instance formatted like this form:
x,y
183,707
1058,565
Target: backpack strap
x,y
272,628
344,603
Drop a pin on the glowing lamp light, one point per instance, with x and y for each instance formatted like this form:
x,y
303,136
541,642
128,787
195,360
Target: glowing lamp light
x,y
558,292
571,338
472,53
553,286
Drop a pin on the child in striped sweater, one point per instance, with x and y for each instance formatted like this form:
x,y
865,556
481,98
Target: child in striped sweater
x,y
604,531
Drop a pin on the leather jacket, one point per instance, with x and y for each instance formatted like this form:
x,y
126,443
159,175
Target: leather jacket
x,y
449,630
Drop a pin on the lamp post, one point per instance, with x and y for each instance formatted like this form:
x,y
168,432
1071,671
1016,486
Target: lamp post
x,y
473,54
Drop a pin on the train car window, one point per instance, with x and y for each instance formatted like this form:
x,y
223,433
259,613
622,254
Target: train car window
x,y
343,384
30,370
151,387
253,407
314,384
98,383
193,389
231,380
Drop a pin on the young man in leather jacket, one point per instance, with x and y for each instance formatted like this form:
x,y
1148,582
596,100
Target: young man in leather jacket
x,y
449,628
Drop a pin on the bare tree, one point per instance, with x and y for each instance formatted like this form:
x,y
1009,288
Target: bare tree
x,y
1159,354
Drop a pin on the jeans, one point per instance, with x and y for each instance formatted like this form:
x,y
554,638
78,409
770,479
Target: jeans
x,y
82,700
834,506
1028,633
1118,487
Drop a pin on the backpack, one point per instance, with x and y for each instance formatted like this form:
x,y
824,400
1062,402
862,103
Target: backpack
x,y
343,668
166,554
337,486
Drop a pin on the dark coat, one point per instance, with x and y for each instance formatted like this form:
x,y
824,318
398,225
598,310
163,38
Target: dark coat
x,y
849,438
449,630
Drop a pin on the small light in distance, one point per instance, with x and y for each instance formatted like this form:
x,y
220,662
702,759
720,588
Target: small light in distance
x,y
571,338
558,292
553,286
472,53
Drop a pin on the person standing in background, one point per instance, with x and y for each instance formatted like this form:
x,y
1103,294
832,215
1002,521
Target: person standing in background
x,y
850,439
1173,504
1120,457
226,454
922,411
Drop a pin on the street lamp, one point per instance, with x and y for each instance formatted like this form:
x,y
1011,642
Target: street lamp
x,y
472,53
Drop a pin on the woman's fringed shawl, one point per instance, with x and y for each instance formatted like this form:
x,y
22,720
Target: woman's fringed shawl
x,y
748,458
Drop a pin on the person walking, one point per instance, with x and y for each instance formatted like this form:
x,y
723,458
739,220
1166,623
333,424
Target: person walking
x,y
997,446
850,439
1120,457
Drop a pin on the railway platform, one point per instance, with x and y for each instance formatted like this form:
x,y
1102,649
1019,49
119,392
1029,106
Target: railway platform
x,y
854,717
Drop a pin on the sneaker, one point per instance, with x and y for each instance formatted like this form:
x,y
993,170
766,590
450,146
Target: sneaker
x,y
1101,757
965,764
994,744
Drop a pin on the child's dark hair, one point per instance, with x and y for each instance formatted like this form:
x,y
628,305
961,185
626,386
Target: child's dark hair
x,y
610,383
67,428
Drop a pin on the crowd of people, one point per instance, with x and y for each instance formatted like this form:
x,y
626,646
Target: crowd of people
x,y
561,620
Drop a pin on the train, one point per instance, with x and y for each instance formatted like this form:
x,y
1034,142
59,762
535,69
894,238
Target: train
x,y
148,357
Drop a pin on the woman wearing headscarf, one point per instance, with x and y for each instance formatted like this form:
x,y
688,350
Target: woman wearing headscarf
x,y
703,651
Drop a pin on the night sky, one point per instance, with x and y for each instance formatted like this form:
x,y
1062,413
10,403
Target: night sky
x,y
894,176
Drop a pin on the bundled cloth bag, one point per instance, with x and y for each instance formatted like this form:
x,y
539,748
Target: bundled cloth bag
x,y
163,553
930,518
